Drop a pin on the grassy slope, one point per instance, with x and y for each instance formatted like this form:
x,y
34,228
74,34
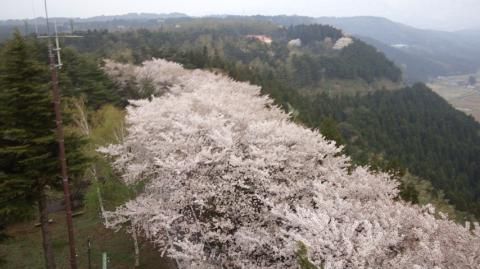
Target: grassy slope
x,y
24,250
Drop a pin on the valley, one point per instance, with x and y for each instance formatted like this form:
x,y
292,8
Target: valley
x,y
461,95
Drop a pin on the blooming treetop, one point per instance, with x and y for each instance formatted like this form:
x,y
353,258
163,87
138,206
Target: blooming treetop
x,y
139,77
230,181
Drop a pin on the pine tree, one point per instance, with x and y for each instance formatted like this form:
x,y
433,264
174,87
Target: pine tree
x,y
83,77
20,81
28,148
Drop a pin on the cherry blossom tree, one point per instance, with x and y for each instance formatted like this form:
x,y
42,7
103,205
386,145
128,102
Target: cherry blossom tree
x,y
143,81
230,182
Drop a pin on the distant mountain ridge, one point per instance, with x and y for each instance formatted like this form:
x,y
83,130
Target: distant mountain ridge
x,y
101,18
109,22
137,16
422,54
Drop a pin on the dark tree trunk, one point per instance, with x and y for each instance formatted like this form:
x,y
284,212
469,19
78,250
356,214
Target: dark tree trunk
x,y
47,241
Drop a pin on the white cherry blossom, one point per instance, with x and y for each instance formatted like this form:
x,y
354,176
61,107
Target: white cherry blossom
x,y
229,181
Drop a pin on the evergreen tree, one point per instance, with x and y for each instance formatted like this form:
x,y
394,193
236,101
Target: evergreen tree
x,y
330,130
83,77
21,77
28,148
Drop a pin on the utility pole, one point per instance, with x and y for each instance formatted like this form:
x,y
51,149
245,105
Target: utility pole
x,y
25,22
60,139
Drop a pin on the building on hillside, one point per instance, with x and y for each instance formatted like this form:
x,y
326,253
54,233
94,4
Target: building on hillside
x,y
400,46
262,38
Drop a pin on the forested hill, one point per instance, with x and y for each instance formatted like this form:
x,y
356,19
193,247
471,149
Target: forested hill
x,y
413,128
337,90
305,64
422,54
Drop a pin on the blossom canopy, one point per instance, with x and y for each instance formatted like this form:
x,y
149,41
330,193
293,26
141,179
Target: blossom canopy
x,y
230,182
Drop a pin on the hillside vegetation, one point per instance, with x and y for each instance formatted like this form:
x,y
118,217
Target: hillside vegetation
x,y
354,110
413,128
229,181
423,54
29,154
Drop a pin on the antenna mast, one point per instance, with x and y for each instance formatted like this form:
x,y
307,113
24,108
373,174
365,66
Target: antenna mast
x,y
57,48
60,137
34,18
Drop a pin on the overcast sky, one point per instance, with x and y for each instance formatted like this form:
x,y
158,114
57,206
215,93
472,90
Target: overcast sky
x,y
433,14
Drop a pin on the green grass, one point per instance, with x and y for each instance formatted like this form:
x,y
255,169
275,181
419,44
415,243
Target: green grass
x,y
24,249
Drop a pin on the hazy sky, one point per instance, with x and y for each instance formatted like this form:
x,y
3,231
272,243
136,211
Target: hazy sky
x,y
434,14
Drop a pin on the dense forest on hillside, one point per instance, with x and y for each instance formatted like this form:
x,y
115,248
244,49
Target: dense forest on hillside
x,y
413,127
229,41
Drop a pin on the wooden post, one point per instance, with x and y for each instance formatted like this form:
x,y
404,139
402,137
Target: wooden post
x,y
104,260
89,253
44,223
